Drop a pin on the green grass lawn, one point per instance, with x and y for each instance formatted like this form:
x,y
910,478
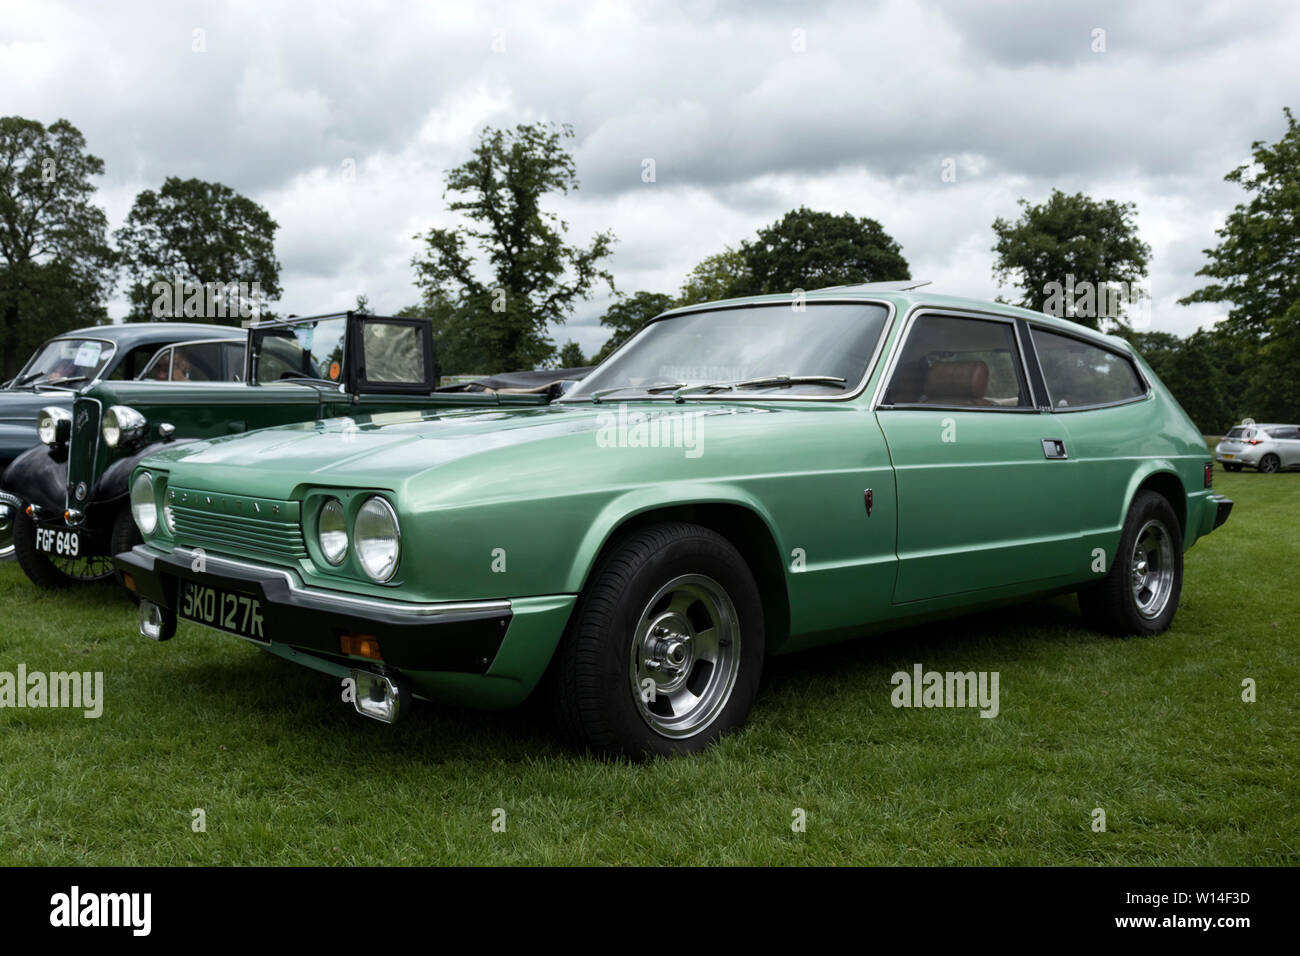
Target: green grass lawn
x,y
1152,731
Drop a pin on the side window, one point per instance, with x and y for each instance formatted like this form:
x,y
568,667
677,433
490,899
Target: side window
x,y
200,362
134,362
234,361
1078,373
959,361
159,367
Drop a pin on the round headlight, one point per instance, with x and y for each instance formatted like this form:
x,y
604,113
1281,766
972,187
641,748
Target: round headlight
x,y
378,538
47,424
144,506
332,531
122,424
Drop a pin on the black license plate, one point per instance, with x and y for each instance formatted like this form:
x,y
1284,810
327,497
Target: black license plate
x,y
222,609
62,542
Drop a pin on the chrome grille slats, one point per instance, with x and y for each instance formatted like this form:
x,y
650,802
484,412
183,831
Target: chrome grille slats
x,y
240,524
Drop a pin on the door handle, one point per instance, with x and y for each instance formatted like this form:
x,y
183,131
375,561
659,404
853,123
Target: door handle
x,y
1054,448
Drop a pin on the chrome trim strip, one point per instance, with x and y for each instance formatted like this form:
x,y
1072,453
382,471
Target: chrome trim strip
x,y
885,329
328,599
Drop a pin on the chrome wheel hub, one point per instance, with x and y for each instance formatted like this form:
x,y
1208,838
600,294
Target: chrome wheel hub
x,y
685,656
1153,564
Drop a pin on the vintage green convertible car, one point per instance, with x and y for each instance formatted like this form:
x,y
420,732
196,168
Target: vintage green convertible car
x,y
70,493
740,479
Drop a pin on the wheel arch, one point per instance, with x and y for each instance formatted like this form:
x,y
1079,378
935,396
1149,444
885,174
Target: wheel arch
x,y
1162,478
735,516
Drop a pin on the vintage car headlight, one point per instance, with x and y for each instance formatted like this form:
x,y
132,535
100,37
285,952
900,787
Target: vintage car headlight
x,y
378,538
53,425
122,424
144,506
332,531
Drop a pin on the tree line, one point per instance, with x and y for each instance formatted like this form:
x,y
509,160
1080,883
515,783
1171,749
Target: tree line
x,y
496,285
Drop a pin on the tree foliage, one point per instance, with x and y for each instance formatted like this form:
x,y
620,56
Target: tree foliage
x,y
534,275
56,268
719,276
806,249
628,314
199,232
1256,269
1092,241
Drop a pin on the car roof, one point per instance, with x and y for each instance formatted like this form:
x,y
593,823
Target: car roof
x,y
908,294
149,333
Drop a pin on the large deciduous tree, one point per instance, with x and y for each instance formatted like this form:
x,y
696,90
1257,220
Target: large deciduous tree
x,y
198,233
56,268
806,249
1256,269
1074,242
529,276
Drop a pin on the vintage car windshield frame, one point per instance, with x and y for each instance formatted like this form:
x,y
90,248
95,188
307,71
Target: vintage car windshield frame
x,y
886,327
112,353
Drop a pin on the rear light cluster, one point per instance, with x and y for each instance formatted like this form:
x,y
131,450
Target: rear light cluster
x,y
1209,474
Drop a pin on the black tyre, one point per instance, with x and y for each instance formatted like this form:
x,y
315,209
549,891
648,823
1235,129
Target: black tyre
x,y
665,649
57,571
1232,467
1270,464
1140,592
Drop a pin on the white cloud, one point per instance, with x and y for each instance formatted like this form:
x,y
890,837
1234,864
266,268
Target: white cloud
x,y
741,125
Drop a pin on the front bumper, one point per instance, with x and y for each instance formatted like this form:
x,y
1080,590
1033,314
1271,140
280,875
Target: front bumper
x,y
479,653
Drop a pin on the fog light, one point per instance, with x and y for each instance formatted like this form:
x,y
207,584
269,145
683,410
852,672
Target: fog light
x,y
156,623
379,696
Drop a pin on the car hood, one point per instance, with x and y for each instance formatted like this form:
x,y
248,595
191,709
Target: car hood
x,y
21,405
386,450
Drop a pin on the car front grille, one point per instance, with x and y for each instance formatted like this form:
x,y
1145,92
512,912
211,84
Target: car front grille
x,y
237,524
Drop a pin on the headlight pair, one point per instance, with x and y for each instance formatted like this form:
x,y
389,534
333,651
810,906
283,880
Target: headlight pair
x,y
375,535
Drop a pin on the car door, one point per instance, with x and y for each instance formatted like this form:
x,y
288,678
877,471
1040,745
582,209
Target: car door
x,y
985,484
1287,440
1099,399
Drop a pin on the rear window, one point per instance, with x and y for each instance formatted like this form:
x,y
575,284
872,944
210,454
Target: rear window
x,y
1079,374
1241,433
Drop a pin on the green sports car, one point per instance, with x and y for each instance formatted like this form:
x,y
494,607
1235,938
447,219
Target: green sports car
x,y
740,479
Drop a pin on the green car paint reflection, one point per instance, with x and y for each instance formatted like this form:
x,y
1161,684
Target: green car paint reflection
x,y
740,479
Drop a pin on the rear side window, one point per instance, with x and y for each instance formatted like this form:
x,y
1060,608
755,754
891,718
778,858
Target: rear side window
x,y
958,361
1286,432
1079,374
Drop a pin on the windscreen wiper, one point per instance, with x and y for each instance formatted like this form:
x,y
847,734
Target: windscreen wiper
x,y
600,393
770,381
60,382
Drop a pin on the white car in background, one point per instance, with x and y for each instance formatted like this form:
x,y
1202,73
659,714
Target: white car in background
x,y
1268,448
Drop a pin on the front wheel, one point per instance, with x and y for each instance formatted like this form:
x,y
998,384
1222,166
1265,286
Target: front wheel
x,y
665,649
53,572
1140,592
1270,465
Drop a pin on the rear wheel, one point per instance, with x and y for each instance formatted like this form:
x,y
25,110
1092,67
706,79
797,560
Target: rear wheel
x,y
1270,464
1139,594
1228,467
665,649
60,571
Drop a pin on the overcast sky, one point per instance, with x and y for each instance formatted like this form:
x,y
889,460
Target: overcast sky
x,y
748,110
